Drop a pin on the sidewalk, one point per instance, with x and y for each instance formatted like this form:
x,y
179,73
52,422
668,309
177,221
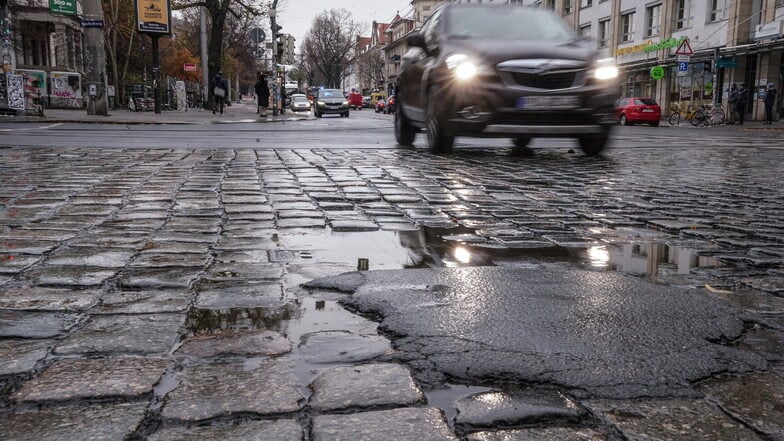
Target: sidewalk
x,y
238,112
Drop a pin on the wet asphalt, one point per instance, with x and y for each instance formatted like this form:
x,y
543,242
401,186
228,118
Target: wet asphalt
x,y
164,293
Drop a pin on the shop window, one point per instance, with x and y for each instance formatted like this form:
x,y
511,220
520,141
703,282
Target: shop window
x,y
682,14
604,33
718,10
653,20
627,27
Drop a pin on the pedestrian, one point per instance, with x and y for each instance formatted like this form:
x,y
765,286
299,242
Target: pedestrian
x,y
220,88
732,102
770,100
743,99
262,94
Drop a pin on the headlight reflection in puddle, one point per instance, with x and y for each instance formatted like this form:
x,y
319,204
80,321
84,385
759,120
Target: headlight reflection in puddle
x,y
599,257
462,255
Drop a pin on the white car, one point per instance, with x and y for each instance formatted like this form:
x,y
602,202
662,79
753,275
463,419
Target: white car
x,y
299,102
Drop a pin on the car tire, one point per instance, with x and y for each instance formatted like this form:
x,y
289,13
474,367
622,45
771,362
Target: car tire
x,y
521,141
318,115
593,145
623,121
347,114
655,124
437,140
404,131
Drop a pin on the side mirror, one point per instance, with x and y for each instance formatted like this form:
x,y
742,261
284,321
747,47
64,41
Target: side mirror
x,y
416,40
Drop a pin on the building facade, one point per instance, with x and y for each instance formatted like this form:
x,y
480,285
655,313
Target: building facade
x,y
42,43
730,41
397,46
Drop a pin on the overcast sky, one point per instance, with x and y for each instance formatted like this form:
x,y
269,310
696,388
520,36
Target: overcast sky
x,y
296,16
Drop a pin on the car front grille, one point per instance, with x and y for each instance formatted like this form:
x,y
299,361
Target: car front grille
x,y
545,118
547,80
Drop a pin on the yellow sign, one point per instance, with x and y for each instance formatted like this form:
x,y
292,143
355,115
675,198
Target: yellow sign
x,y
154,16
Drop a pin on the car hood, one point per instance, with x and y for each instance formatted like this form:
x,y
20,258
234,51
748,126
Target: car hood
x,y
494,52
332,100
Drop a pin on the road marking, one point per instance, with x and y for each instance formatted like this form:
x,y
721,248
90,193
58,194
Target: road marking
x,y
51,126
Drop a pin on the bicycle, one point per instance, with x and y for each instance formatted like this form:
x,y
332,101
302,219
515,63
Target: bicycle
x,y
695,115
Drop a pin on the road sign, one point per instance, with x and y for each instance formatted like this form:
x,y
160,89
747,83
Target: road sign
x,y
92,23
257,35
684,48
657,72
726,62
189,67
683,68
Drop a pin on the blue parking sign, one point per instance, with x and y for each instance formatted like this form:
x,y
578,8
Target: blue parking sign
x,y
683,66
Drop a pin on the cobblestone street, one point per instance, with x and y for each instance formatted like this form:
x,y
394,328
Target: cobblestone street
x,y
146,291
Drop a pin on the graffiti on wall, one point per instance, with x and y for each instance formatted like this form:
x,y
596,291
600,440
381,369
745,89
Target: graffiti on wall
x,y
15,91
34,89
66,89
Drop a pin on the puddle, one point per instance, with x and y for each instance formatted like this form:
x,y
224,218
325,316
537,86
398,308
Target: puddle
x,y
446,399
205,321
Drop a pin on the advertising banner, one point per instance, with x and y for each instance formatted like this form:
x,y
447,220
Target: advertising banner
x,y
154,16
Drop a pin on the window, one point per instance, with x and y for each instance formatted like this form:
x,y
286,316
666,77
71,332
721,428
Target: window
x,y
627,27
567,7
604,33
585,31
653,20
549,4
586,3
718,10
35,44
682,14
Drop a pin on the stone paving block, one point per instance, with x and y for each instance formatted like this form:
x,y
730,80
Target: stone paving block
x,y
756,399
342,347
543,434
124,334
115,241
38,235
246,296
164,247
229,244
25,324
95,422
301,223
249,256
74,276
271,430
143,302
412,424
48,299
160,260
516,407
75,378
22,246
18,356
244,271
207,391
671,419
362,386
99,258
353,225
159,278
16,263
232,343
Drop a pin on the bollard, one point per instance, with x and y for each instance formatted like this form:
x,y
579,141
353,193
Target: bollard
x,y
363,264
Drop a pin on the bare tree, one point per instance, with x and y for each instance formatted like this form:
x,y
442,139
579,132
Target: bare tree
x,y
370,67
119,35
329,44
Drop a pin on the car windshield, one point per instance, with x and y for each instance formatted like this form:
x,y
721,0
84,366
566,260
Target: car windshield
x,y
645,102
330,94
299,99
506,23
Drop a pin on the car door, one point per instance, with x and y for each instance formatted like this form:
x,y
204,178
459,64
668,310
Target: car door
x,y
411,93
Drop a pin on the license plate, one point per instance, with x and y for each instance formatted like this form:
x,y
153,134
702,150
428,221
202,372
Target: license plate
x,y
555,102
647,110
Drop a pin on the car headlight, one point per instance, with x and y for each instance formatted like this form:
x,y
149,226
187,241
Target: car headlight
x,y
321,103
605,69
345,103
463,67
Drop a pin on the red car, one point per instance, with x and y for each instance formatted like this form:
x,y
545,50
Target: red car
x,y
355,100
629,111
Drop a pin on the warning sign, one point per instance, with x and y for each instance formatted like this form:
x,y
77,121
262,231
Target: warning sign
x,y
684,48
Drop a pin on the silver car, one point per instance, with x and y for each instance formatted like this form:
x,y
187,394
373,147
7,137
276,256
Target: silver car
x,y
299,102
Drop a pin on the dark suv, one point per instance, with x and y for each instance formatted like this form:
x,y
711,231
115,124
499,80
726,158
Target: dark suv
x,y
503,71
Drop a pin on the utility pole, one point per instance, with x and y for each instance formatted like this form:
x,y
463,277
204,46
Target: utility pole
x,y
274,31
205,76
95,59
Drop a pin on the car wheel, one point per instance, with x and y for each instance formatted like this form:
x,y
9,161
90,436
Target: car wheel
x,y
318,115
623,120
593,145
347,114
437,140
404,131
522,141
655,124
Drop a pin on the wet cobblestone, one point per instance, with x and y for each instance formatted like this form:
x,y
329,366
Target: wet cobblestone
x,y
196,255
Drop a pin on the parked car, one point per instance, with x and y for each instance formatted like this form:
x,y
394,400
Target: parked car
x,y
375,97
634,110
494,70
366,101
331,101
381,106
355,100
299,102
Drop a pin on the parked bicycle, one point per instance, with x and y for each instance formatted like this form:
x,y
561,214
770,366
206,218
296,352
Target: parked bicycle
x,y
694,114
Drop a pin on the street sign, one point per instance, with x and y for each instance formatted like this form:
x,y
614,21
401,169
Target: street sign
x,y
684,48
657,72
726,62
66,7
189,67
257,35
683,68
92,23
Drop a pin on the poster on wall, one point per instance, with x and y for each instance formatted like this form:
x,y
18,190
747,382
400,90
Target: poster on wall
x,y
34,89
153,16
15,92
